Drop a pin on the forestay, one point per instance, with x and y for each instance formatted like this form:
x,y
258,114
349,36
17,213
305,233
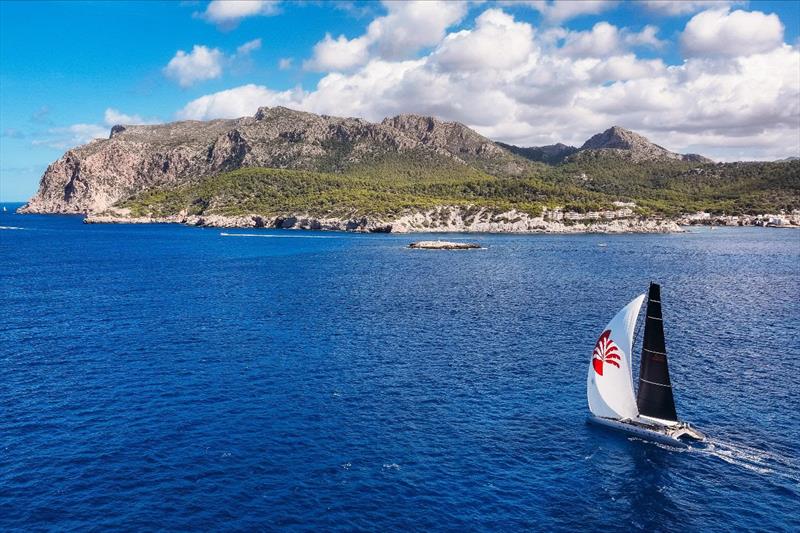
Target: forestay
x,y
609,384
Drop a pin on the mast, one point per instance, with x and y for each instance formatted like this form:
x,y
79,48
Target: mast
x,y
654,398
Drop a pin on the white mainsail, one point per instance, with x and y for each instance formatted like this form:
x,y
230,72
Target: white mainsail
x,y
609,385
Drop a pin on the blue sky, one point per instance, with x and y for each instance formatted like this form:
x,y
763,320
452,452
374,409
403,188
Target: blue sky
x,y
717,78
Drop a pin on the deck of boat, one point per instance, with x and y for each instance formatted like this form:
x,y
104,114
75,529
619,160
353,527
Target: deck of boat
x,y
678,433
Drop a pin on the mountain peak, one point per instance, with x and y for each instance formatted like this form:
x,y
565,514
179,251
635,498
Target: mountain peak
x,y
617,137
631,144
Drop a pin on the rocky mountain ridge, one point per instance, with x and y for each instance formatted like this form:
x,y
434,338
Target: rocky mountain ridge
x,y
92,177
615,141
135,158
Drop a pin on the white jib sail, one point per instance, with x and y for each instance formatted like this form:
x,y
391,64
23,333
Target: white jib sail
x,y
609,385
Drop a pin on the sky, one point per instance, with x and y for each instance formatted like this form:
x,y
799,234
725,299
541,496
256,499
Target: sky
x,y
717,78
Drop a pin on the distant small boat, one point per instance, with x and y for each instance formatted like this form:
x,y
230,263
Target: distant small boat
x,y
651,412
4,209
603,245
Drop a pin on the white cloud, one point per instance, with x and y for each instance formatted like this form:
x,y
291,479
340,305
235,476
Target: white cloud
x,y
249,46
202,63
497,42
727,108
626,67
602,40
685,7
605,40
403,31
338,54
113,117
724,33
558,11
228,13
647,37
285,63
237,102
410,26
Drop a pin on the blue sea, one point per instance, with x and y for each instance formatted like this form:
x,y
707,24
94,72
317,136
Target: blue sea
x,y
163,377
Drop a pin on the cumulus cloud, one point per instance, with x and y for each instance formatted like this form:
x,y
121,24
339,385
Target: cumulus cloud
x,y
237,102
228,13
403,31
113,117
724,33
534,88
410,26
338,54
647,37
685,7
202,63
606,40
497,41
557,11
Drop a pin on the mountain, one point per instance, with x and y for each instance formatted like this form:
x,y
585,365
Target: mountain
x,y
92,177
289,164
551,154
619,141
615,141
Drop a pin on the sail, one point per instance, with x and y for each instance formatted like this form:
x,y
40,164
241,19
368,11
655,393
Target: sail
x,y
655,389
609,386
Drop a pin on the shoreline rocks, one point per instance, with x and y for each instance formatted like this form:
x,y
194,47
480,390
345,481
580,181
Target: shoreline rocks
x,y
442,219
444,245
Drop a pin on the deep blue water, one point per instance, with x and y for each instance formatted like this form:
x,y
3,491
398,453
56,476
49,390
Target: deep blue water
x,y
171,378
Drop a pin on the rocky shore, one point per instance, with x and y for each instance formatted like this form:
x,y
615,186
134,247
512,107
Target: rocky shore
x,y
443,245
444,219
767,220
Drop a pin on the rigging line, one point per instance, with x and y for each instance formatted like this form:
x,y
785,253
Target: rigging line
x,y
654,383
636,338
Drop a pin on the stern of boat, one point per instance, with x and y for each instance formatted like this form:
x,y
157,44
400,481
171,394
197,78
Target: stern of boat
x,y
685,432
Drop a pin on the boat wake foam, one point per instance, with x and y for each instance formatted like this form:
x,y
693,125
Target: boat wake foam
x,y
10,227
759,461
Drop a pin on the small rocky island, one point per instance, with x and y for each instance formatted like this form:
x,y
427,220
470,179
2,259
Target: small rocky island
x,y
443,245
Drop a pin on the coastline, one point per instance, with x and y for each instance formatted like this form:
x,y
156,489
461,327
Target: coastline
x,y
453,219
445,219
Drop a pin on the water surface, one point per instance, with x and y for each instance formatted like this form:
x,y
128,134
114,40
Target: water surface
x,y
167,377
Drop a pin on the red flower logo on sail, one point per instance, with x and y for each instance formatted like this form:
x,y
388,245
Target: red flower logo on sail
x,y
605,351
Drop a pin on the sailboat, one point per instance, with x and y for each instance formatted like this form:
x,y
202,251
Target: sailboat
x,y
650,413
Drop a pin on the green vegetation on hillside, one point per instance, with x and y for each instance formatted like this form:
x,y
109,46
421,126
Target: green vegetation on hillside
x,y
390,185
673,187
